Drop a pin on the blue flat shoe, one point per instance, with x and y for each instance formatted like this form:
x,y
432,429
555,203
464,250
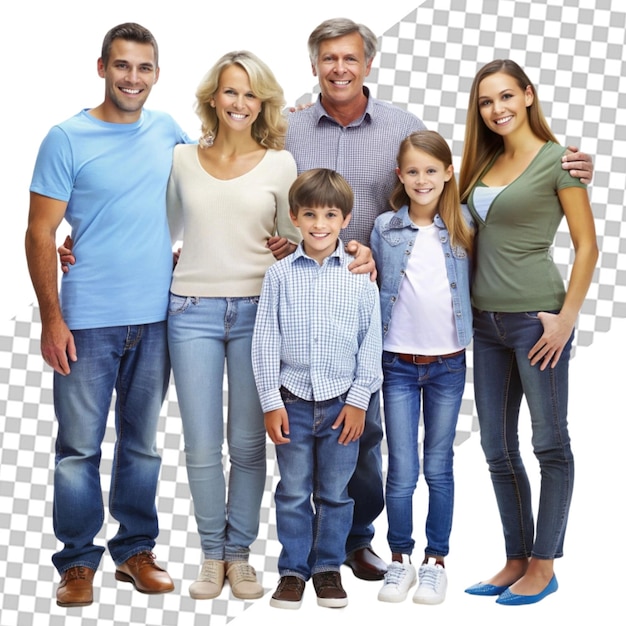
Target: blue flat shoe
x,y
514,599
485,589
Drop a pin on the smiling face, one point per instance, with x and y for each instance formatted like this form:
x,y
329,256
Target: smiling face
x,y
235,104
129,76
423,177
341,69
320,228
502,103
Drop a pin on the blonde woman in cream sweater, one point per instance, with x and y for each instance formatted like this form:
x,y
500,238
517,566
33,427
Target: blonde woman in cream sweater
x,y
227,201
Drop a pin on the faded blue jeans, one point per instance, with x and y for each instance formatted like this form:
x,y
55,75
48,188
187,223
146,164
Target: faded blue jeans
x,y
436,390
204,334
502,376
133,361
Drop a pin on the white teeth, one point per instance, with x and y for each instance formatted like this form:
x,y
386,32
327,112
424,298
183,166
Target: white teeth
x,y
341,82
504,120
238,116
133,92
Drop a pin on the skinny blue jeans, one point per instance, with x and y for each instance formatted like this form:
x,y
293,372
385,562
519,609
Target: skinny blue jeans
x,y
205,334
436,390
502,376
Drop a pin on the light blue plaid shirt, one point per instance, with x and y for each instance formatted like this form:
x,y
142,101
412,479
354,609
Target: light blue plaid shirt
x,y
317,332
364,153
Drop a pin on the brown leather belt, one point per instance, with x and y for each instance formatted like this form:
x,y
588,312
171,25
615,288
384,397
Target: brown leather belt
x,y
421,359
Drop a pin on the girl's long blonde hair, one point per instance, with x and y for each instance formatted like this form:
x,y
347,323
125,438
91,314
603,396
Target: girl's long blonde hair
x,y
481,144
449,207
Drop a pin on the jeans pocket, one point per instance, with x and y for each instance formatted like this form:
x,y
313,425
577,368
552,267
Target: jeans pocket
x,y
178,304
389,358
455,363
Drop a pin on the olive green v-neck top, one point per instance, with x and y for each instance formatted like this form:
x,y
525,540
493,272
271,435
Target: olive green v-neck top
x,y
515,271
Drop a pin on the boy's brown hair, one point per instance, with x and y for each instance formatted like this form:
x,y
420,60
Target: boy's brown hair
x,y
321,187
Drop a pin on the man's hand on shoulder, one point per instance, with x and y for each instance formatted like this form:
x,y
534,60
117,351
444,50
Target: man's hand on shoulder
x,y
579,164
363,260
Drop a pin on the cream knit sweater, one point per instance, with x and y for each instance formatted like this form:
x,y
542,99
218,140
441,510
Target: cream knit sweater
x,y
225,224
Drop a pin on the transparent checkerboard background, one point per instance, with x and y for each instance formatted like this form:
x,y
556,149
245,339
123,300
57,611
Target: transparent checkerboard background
x,y
572,50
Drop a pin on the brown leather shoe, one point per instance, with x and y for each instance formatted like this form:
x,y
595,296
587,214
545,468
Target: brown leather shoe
x,y
366,564
146,576
76,587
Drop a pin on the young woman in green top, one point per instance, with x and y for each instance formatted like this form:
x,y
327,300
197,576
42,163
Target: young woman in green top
x,y
512,180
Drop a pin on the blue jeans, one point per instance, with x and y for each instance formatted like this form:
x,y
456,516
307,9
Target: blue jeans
x,y
502,375
313,464
132,360
205,333
437,390
366,485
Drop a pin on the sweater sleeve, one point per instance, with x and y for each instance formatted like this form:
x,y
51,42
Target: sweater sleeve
x,y
284,226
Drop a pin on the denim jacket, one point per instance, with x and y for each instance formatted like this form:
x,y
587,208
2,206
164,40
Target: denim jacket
x,y
392,240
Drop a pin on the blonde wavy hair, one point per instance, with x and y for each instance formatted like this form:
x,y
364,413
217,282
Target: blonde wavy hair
x,y
270,127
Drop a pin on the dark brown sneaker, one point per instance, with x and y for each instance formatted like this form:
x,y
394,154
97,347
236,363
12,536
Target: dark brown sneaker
x,y
330,592
288,594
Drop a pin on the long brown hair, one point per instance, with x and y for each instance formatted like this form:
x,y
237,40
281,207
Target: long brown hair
x,y
482,144
449,206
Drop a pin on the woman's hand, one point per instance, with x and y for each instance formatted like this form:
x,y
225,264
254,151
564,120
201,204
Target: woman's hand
x,y
66,258
556,333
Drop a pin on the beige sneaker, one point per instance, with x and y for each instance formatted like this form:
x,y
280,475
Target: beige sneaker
x,y
209,582
242,578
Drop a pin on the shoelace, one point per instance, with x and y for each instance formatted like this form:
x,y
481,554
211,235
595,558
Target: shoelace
x,y
430,576
145,559
209,571
290,583
242,571
76,573
325,580
395,574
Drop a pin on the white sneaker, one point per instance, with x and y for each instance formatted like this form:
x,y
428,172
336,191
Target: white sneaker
x,y
400,577
433,584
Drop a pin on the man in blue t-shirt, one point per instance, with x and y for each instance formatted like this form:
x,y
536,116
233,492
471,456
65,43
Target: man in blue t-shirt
x,y
105,172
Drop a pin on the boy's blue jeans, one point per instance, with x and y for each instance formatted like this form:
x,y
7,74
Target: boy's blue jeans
x,y
313,508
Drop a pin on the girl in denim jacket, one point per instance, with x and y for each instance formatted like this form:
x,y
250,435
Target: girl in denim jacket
x,y
422,250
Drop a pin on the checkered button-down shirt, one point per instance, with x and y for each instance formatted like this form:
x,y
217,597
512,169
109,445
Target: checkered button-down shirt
x,y
317,332
364,152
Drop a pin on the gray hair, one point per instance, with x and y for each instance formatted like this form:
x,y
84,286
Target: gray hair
x,y
338,27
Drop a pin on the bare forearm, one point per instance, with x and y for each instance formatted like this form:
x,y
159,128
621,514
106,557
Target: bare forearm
x,y
42,266
580,280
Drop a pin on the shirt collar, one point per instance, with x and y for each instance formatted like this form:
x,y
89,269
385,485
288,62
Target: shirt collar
x,y
321,112
402,220
339,253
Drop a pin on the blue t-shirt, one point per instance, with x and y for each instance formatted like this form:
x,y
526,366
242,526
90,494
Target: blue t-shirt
x,y
114,179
